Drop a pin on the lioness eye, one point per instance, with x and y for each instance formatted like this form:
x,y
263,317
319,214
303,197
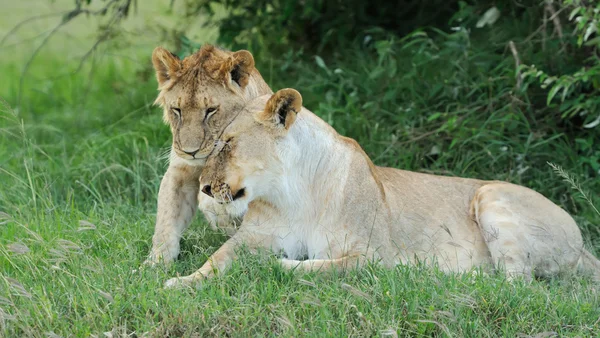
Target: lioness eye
x,y
177,112
225,143
209,112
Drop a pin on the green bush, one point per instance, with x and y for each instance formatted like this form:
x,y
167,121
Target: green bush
x,y
315,24
577,93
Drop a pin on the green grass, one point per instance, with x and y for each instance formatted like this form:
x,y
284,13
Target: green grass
x,y
81,161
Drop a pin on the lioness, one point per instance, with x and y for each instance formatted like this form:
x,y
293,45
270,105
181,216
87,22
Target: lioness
x,y
307,191
200,95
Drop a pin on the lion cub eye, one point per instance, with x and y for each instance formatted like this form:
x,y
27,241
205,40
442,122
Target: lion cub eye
x,y
210,112
177,112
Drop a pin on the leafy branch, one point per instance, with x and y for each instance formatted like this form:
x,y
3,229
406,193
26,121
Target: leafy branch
x,y
117,9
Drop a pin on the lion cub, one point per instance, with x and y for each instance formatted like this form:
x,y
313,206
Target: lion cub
x,y
305,190
200,95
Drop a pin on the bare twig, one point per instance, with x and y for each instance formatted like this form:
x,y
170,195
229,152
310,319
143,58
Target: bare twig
x,y
543,26
24,41
33,18
30,60
554,17
121,12
105,35
515,54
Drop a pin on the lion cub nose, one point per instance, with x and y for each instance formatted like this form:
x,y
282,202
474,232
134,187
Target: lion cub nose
x,y
206,189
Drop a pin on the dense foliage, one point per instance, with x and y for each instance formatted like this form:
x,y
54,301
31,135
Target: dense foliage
x,y
466,94
317,24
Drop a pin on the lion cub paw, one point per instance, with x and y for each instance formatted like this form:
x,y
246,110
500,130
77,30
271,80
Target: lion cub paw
x,y
149,263
157,257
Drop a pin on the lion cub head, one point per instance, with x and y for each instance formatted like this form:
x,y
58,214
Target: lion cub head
x,y
201,94
243,163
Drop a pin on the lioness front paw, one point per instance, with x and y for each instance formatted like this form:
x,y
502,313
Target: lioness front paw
x,y
183,282
175,283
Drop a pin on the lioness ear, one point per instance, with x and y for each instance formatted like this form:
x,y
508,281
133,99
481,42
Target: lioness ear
x,y
166,65
238,67
282,108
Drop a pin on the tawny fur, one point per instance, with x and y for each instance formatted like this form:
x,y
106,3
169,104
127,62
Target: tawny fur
x,y
306,191
200,95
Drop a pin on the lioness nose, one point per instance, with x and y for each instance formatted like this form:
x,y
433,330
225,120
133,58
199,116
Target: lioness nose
x,y
192,153
206,190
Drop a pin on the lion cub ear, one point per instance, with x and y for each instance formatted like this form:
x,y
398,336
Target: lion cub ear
x,y
166,65
237,68
282,108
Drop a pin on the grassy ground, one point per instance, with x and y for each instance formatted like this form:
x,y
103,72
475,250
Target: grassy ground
x,y
80,164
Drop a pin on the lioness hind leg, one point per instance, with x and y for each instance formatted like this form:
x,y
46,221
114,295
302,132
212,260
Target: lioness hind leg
x,y
340,264
525,232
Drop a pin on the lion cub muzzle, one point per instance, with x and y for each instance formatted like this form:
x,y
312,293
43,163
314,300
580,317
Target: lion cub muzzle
x,y
193,154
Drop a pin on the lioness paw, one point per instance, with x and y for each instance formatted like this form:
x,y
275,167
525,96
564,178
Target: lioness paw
x,y
175,283
183,282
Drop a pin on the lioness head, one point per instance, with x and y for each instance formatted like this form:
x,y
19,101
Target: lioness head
x,y
247,157
201,93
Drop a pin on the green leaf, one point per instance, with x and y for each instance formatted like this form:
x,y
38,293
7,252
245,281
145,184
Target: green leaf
x,y
593,41
574,12
434,116
552,93
320,62
565,92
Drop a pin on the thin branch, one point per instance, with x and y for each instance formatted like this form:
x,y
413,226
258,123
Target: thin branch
x,y
28,40
544,33
515,54
556,21
121,13
70,15
33,18
543,26
102,38
30,60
